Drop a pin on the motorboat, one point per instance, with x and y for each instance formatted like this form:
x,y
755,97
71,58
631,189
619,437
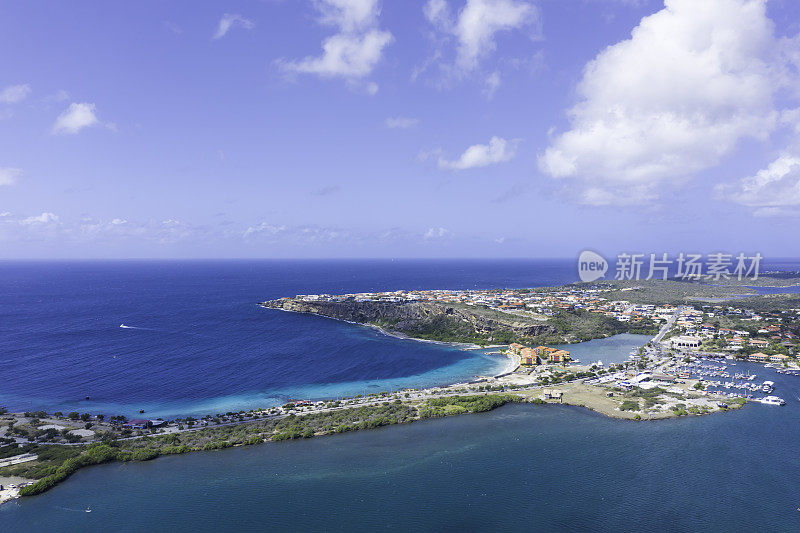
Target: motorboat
x,y
772,400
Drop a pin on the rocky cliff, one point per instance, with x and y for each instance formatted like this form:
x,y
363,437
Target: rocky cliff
x,y
429,320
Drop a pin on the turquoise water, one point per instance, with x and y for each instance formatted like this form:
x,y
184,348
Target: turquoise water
x,y
198,343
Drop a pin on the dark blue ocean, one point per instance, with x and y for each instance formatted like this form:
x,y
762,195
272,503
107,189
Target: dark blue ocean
x,y
198,343
201,344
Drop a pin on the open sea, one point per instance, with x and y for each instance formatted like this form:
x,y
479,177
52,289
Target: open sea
x,y
197,343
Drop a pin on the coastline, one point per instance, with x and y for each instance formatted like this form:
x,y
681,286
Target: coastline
x,y
574,385
388,333
513,363
8,492
359,413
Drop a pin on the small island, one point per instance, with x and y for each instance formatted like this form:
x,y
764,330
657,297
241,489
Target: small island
x,y
697,330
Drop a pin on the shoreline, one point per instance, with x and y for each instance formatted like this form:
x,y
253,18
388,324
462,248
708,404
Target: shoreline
x,y
388,333
574,394
513,363
12,493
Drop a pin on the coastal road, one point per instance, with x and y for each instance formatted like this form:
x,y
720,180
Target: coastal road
x,y
667,326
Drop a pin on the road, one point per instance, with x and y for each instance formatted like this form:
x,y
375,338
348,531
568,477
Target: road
x,y
667,326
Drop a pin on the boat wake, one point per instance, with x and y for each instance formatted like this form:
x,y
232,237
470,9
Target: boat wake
x,y
72,510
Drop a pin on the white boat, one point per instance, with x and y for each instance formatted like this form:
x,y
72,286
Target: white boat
x,y
768,386
772,400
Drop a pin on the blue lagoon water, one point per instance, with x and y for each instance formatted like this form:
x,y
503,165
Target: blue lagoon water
x,y
610,350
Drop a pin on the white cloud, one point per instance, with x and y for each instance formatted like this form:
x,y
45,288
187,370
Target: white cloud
x,y
355,50
693,80
436,233
772,190
492,84
305,235
44,218
75,118
401,122
476,25
14,93
345,55
230,21
498,150
264,228
349,15
8,175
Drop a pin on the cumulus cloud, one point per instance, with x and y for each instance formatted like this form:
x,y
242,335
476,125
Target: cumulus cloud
x,y
693,80
305,235
475,27
498,150
264,228
14,93
353,52
230,21
401,122
75,118
44,218
774,190
436,234
8,175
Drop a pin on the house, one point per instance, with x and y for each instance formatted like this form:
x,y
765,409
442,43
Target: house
x,y
707,329
759,357
544,351
142,424
515,348
560,356
759,343
685,341
624,385
553,395
779,358
528,357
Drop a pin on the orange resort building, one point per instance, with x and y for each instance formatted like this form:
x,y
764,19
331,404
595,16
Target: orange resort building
x,y
763,358
535,356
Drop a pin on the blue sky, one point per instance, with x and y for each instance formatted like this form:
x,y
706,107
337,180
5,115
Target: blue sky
x,y
436,128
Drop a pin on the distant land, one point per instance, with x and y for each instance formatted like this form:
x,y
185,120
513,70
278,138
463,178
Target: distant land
x,y
545,315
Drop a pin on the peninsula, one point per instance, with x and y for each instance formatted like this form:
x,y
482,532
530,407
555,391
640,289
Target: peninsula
x,y
698,330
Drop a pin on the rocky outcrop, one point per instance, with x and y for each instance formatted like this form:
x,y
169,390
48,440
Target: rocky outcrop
x,y
423,319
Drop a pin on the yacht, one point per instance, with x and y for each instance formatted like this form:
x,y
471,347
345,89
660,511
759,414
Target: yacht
x,y
773,400
768,386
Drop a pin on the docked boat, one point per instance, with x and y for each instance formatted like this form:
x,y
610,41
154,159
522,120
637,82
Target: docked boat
x,y
768,386
772,400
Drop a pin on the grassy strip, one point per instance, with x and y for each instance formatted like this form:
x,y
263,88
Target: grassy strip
x,y
56,463
456,405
